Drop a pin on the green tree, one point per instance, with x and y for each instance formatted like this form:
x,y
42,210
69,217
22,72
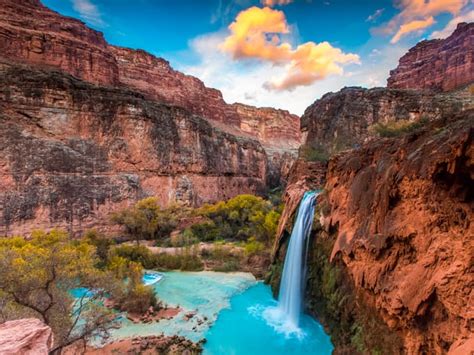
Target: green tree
x,y
37,277
147,220
240,218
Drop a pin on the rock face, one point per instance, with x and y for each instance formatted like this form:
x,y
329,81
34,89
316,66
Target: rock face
x,y
441,65
390,259
31,33
403,212
86,128
26,337
73,152
341,120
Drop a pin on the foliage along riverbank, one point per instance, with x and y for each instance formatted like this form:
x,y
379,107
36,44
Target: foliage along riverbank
x,y
39,272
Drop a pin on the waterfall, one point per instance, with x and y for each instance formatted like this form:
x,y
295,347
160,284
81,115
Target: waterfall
x,y
293,278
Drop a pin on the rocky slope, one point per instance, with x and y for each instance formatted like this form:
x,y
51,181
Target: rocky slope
x,y
87,127
441,65
390,265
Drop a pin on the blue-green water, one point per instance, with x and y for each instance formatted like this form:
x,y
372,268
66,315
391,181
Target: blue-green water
x,y
231,311
244,329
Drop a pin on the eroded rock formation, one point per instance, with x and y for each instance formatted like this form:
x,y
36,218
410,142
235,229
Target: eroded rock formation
x,y
25,336
403,213
390,264
87,127
73,152
341,120
439,64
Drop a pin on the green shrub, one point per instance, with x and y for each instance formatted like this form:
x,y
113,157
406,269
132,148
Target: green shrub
x,y
228,266
102,245
314,153
137,297
396,128
252,247
238,219
147,220
135,253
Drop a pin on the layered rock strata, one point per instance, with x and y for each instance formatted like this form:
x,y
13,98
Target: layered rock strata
x,y
439,64
73,152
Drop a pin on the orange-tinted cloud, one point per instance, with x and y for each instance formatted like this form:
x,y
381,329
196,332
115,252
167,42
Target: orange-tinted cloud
x,y
412,26
257,33
417,15
276,2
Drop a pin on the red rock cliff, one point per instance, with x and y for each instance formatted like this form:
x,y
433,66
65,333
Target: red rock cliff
x,y
390,264
72,152
441,65
31,33
86,128
403,212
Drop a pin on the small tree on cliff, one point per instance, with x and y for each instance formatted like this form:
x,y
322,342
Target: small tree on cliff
x,y
37,278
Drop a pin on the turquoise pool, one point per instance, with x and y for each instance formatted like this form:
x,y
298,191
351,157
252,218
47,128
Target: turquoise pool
x,y
245,329
231,310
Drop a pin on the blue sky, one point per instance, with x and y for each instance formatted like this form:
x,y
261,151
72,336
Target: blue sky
x,y
364,40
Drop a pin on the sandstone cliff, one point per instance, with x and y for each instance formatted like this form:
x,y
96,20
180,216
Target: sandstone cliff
x,y
341,120
390,264
72,152
441,65
31,33
87,127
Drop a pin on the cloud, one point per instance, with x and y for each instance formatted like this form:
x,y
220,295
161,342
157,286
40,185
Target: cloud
x,y
244,80
451,25
88,12
375,15
257,33
417,15
275,2
412,26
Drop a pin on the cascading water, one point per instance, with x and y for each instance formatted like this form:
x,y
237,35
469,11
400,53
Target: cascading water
x,y
286,316
292,281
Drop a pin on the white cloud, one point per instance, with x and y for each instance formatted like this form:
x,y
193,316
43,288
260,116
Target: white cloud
x,y
375,15
88,12
244,81
451,25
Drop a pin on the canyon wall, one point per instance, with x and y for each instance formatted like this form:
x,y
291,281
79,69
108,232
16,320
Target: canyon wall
x,y
72,152
87,128
342,120
32,33
439,64
401,217
390,261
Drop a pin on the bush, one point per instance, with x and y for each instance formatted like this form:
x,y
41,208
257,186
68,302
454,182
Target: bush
x,y
147,220
136,253
252,247
137,298
228,266
396,128
314,153
238,219
102,245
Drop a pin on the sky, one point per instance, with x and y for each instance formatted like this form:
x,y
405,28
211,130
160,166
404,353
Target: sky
x,y
277,53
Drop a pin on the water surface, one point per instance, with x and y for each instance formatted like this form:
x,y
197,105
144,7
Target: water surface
x,y
246,329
